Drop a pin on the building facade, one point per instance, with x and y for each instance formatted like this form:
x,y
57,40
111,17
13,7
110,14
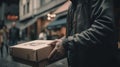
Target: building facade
x,y
9,11
29,8
34,14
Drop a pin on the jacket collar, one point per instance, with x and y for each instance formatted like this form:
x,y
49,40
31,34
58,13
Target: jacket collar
x,y
74,1
78,1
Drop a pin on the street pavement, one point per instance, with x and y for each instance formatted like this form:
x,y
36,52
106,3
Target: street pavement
x,y
7,61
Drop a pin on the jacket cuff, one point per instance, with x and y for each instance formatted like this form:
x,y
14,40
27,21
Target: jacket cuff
x,y
68,43
65,44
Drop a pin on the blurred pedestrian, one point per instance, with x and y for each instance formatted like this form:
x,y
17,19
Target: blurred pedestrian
x,y
91,39
1,42
14,34
2,24
5,37
42,35
32,35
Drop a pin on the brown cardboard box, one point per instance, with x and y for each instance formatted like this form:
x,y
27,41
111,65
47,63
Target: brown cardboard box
x,y
37,50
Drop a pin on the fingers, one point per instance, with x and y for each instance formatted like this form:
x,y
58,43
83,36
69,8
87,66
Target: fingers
x,y
53,43
60,50
57,51
54,50
52,53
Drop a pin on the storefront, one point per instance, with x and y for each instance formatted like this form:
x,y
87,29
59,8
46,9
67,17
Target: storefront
x,y
57,28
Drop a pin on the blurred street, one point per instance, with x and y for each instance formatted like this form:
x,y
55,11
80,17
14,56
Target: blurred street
x,y
31,20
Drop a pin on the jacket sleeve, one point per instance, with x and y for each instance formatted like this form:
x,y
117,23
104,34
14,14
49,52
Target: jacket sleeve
x,y
102,27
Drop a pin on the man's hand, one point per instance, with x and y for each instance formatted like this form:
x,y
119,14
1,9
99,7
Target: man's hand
x,y
58,50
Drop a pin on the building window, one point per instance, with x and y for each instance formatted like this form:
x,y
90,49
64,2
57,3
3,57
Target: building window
x,y
43,2
40,3
24,10
47,1
28,6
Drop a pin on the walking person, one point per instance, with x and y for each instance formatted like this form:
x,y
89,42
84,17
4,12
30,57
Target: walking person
x,y
1,36
32,35
42,35
2,24
1,42
5,38
91,39
13,34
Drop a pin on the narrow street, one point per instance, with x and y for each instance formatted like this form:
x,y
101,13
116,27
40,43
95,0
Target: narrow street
x,y
86,30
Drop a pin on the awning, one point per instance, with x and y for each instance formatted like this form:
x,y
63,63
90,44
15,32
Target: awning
x,y
57,24
65,6
31,21
28,23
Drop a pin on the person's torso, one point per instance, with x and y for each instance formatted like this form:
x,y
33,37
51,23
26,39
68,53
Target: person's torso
x,y
14,33
78,19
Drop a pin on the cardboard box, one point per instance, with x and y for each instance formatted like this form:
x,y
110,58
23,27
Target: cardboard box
x,y
42,63
36,51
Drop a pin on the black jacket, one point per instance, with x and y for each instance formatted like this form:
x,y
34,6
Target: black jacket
x,y
2,24
91,39
14,33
